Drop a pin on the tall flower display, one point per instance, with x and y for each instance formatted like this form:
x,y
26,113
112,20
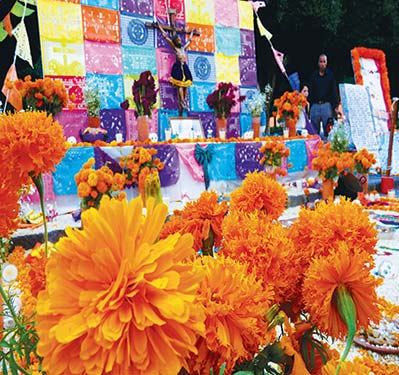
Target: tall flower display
x,y
289,107
274,152
117,295
144,94
46,94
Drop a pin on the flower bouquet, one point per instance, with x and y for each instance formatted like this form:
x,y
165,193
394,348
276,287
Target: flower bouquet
x,y
274,152
93,184
289,107
256,103
364,160
42,95
138,165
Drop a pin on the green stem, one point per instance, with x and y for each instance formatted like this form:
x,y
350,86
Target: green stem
x,y
6,300
38,181
347,311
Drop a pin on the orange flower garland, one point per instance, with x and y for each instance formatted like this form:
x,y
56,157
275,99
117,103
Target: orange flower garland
x,y
379,57
347,266
259,193
235,305
117,299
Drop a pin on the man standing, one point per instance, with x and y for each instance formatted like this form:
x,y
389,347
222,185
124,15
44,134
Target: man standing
x,y
323,96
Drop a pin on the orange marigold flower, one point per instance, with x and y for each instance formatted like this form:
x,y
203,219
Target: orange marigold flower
x,y
199,217
259,193
355,367
31,143
320,231
235,304
266,248
120,301
342,267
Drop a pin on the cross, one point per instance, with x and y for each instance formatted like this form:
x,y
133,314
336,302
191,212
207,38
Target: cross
x,y
172,15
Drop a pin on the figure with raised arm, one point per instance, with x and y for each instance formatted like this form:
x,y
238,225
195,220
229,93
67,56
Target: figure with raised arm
x,y
181,77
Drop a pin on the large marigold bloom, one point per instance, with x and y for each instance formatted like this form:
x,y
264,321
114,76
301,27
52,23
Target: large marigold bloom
x,y
321,231
235,305
31,142
355,367
260,193
198,218
322,279
267,250
117,300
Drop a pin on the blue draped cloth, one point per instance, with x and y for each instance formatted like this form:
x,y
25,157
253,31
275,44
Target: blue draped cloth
x,y
204,157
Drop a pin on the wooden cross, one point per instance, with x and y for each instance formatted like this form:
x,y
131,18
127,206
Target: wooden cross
x,y
172,15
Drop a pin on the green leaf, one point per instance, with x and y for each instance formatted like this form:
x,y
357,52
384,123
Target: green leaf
x,y
244,373
18,10
4,366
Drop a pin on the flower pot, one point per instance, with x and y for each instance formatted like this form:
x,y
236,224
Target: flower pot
x,y
364,181
327,190
221,124
387,184
142,128
271,171
93,122
256,126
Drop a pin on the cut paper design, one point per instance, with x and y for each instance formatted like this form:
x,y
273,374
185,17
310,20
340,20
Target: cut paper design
x,y
298,155
245,13
227,69
233,126
248,71
110,4
245,122
227,40
198,94
165,60
74,87
247,43
100,24
247,157
22,48
63,59
186,155
102,157
226,15
60,21
206,41
200,11
168,95
311,149
134,32
72,122
104,58
138,59
143,7
222,166
33,196
110,88
248,92
113,120
383,154
161,9
202,67
207,122
127,86
71,164
171,173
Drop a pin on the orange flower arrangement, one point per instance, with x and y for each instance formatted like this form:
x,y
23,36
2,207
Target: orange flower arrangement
x,y
265,247
93,184
379,57
364,160
114,283
274,151
330,163
140,161
345,267
235,305
289,107
259,193
46,94
199,218
9,210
